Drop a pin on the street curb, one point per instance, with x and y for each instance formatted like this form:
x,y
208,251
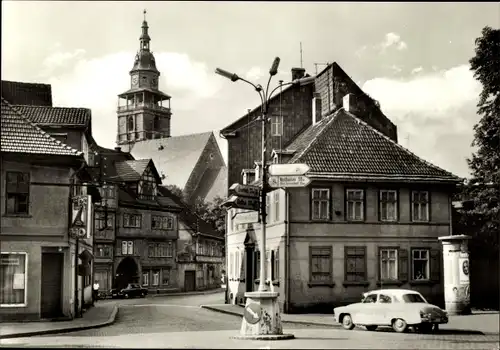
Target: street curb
x,y
201,292
108,322
282,321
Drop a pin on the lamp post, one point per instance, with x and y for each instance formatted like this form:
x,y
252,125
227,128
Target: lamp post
x,y
271,324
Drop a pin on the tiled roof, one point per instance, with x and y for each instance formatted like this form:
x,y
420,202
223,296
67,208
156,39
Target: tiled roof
x,y
131,170
188,217
18,93
41,115
343,145
175,157
19,135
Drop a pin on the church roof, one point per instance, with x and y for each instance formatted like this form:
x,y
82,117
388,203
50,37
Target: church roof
x,y
33,94
175,156
20,135
145,60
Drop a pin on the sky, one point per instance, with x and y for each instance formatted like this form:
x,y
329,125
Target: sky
x,y
411,57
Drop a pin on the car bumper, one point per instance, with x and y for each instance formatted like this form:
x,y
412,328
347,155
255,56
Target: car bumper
x,y
435,320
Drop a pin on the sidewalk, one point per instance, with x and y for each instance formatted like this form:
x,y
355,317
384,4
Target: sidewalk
x,y
102,314
486,322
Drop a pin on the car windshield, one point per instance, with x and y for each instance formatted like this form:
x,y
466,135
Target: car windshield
x,y
413,298
133,285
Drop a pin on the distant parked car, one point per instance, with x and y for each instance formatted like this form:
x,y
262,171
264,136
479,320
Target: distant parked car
x,y
396,308
132,290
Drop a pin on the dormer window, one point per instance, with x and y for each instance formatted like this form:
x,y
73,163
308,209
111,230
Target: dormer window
x,y
147,185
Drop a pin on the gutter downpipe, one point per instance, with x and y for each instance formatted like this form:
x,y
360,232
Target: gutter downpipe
x,y
287,252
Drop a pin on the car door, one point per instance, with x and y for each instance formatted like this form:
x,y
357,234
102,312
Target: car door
x,y
365,313
384,309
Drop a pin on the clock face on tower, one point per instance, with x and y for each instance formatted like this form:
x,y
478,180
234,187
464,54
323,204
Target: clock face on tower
x,y
135,80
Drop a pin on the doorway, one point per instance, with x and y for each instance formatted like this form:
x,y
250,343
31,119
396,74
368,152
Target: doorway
x,y
126,272
189,281
249,272
52,272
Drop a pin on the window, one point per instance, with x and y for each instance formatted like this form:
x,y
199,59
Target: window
x,y
355,201
127,247
103,251
420,205
420,264
162,223
275,265
108,191
156,278
165,276
321,264
170,250
160,250
388,205
13,278
130,124
145,278
147,185
276,210
156,123
100,220
388,264
384,299
370,298
277,125
17,190
132,220
355,264
320,203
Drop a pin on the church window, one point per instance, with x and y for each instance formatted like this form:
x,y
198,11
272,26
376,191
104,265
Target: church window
x,y
130,123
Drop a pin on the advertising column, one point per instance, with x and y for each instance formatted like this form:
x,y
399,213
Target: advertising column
x,y
456,274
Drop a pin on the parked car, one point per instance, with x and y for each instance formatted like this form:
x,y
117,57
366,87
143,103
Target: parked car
x,y
396,308
132,290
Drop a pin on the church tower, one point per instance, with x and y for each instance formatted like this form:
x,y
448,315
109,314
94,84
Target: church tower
x,y
143,110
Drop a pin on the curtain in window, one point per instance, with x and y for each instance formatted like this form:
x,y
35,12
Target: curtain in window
x,y
12,277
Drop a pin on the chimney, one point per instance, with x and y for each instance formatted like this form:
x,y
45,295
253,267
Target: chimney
x,y
316,108
118,149
298,73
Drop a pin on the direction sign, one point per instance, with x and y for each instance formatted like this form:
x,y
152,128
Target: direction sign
x,y
252,313
243,203
288,169
245,190
246,217
289,181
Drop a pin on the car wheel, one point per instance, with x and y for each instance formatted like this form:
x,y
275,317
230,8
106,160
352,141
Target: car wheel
x,y
126,295
143,295
371,328
399,325
347,322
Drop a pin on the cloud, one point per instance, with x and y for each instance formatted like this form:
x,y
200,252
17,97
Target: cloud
x,y
437,111
393,40
255,73
79,81
417,70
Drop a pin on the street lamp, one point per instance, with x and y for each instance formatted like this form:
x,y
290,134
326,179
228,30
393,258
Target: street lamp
x,y
262,293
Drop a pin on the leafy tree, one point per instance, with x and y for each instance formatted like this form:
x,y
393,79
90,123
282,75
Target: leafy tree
x,y
212,212
482,217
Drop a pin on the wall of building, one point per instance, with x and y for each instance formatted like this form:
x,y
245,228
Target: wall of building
x,y
245,148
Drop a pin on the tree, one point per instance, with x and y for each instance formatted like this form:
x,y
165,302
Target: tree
x,y
482,218
177,191
212,212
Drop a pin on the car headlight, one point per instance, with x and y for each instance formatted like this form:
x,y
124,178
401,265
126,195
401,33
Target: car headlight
x,y
424,315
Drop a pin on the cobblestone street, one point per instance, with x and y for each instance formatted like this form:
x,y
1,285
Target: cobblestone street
x,y
179,322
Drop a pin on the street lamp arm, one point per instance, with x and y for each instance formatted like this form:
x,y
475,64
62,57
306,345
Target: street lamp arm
x,y
278,87
257,88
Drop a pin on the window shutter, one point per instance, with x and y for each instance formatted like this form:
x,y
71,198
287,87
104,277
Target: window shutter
x,y
403,265
243,264
435,265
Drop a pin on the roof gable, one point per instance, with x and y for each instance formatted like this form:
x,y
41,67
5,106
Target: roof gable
x,y
42,115
34,94
175,157
132,170
20,135
342,144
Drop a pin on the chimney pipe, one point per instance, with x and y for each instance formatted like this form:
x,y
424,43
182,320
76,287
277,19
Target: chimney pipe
x,y
298,73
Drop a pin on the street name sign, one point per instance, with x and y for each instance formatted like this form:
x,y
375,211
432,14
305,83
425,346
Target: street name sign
x,y
288,169
245,190
246,217
243,203
289,181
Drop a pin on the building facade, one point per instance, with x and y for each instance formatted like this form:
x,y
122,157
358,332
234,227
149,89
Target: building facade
x,y
370,217
43,275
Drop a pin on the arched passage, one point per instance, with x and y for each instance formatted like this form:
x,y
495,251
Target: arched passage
x,y
126,272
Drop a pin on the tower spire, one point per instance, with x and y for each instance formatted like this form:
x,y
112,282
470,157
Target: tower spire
x,y
144,39
144,14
